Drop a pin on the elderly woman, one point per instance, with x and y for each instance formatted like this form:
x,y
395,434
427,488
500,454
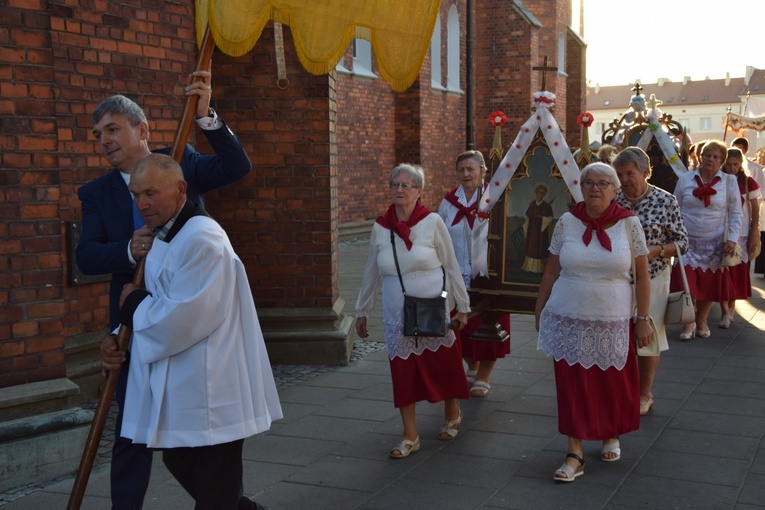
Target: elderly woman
x,y
662,223
422,368
584,318
458,210
707,198
750,220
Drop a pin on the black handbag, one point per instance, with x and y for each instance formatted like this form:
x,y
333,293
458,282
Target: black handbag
x,y
422,316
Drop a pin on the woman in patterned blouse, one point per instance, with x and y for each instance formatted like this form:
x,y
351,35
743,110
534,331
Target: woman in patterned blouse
x,y
663,226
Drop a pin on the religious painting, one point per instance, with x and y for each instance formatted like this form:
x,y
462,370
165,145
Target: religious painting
x,y
536,198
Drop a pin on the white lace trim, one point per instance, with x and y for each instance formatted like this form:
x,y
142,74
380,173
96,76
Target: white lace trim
x,y
402,346
705,253
588,342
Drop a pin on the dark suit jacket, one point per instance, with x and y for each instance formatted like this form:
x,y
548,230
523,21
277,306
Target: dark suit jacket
x,y
107,209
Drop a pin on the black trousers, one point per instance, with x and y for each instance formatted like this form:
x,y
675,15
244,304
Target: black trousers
x,y
131,463
212,475
759,262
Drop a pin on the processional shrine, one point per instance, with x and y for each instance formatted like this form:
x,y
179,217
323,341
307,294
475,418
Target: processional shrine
x,y
537,172
665,140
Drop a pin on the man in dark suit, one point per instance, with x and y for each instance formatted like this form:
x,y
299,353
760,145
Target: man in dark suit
x,y
114,236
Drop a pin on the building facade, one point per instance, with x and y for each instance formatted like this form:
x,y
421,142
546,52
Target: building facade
x,y
322,149
699,106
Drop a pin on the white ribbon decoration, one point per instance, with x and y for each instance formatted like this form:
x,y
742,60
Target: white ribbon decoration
x,y
542,120
667,148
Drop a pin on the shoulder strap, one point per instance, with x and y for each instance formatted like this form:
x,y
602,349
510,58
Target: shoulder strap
x,y
398,269
395,258
682,268
632,259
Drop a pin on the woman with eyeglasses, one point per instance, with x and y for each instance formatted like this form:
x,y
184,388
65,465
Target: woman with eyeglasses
x,y
422,368
584,315
710,202
458,210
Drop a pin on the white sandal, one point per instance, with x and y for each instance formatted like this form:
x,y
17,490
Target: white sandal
x,y
611,448
470,374
451,428
480,389
571,473
405,448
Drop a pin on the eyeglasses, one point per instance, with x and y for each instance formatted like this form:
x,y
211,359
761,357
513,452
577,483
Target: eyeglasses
x,y
404,185
588,185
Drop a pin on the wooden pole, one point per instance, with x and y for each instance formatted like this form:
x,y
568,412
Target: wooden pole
x,y
110,385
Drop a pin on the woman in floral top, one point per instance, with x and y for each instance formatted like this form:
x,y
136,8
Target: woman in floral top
x,y
662,223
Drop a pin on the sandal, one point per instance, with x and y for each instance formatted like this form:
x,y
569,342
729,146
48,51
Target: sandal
x,y
569,473
687,333
480,389
646,404
613,448
451,428
725,322
405,448
470,374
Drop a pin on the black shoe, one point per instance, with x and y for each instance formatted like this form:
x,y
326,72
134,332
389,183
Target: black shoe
x,y
248,504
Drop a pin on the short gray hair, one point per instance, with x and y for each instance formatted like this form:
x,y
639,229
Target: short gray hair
x,y
414,171
634,155
600,169
119,105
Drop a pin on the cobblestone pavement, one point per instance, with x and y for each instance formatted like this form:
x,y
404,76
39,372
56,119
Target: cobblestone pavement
x,y
284,375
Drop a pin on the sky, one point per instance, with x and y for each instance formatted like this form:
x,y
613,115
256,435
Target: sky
x,y
651,39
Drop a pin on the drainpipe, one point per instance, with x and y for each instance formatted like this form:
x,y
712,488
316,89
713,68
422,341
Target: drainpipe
x,y
469,91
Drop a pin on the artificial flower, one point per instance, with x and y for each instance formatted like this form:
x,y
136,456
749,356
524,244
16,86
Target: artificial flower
x,y
497,118
584,119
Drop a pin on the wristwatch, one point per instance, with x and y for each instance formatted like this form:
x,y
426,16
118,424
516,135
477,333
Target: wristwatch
x,y
643,317
661,253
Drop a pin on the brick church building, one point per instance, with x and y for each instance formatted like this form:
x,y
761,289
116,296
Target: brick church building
x,y
322,149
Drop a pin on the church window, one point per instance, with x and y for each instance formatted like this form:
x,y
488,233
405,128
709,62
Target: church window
x,y
435,57
453,51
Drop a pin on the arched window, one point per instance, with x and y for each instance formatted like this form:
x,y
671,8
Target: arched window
x,y
435,56
453,51
562,53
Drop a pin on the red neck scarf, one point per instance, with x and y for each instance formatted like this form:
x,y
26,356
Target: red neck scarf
x,y
703,192
614,213
403,228
468,212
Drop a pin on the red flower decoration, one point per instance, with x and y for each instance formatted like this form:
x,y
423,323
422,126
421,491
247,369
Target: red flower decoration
x,y
483,215
584,119
497,118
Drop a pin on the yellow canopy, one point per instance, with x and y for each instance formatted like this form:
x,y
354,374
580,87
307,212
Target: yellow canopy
x,y
399,30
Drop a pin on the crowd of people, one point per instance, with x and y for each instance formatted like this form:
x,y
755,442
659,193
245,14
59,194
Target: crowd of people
x,y
614,251
606,270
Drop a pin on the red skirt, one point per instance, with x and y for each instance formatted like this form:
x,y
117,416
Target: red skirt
x,y
742,284
482,350
596,404
706,285
432,376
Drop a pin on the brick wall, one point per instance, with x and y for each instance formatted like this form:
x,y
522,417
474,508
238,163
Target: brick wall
x,y
282,216
322,148
576,90
503,70
377,129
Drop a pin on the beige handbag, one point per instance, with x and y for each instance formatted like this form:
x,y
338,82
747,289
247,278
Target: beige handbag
x,y
680,305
